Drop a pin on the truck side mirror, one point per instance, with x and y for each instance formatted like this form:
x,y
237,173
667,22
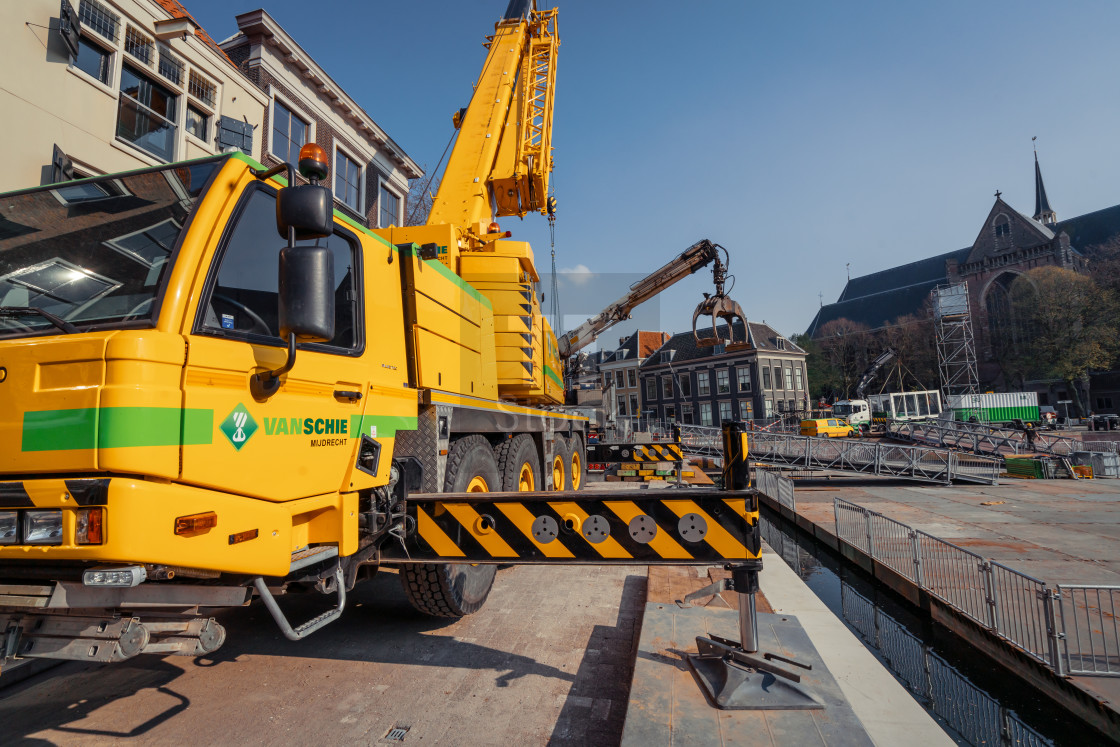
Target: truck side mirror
x,y
307,293
309,209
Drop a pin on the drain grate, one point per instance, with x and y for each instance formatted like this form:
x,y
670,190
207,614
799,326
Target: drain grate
x,y
396,734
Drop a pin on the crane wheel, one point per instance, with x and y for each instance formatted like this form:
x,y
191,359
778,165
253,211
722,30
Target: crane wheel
x,y
518,464
577,466
559,462
456,589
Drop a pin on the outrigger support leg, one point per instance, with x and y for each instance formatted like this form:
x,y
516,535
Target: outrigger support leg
x,y
732,674
734,677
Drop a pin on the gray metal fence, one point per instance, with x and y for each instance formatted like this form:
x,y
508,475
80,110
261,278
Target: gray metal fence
x,y
773,485
979,438
977,716
1074,629
1092,632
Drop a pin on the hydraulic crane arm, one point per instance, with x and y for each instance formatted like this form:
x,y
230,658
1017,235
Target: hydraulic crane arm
x,y
699,255
883,359
502,159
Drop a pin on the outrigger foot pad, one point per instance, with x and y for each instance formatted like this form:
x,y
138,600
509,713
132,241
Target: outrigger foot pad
x,y
737,681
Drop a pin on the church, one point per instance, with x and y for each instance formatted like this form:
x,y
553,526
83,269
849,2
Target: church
x,y
1007,245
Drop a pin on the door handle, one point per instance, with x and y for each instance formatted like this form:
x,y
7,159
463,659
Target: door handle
x,y
347,394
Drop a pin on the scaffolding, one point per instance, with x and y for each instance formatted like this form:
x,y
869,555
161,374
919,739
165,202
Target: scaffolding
x,y
956,347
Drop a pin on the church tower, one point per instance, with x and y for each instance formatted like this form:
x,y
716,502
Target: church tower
x,y
1042,211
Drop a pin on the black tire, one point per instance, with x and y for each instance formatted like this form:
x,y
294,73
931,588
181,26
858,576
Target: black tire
x,y
558,463
518,464
577,463
456,589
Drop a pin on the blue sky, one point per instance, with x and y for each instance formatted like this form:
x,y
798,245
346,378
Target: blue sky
x,y
801,136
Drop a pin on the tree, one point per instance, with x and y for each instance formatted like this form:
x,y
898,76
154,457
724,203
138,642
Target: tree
x,y
844,344
822,379
1067,325
418,202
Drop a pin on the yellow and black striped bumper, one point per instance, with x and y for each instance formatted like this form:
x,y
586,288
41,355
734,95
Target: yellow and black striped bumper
x,y
700,528
657,453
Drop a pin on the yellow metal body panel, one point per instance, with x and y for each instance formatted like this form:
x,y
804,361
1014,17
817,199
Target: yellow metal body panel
x,y
139,524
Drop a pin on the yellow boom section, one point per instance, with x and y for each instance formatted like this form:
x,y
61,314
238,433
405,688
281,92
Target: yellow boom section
x,y
502,160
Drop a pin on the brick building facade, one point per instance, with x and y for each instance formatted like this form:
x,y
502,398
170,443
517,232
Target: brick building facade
x,y
695,385
369,171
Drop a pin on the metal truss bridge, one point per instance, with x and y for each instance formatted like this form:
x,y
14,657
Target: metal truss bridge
x,y
979,438
919,463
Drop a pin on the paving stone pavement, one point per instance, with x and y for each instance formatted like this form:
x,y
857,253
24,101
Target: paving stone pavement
x,y
548,660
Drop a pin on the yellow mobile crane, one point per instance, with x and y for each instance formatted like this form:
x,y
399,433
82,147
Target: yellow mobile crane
x,y
184,428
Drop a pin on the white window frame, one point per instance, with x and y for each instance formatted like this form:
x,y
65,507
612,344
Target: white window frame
x,y
295,109
705,413
348,155
385,184
703,388
725,387
740,378
725,411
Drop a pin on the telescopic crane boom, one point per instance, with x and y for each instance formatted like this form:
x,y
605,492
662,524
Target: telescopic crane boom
x,y
883,359
699,255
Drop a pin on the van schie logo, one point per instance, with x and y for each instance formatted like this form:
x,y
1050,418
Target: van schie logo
x,y
238,426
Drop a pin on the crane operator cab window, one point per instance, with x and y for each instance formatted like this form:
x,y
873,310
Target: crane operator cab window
x,y
242,295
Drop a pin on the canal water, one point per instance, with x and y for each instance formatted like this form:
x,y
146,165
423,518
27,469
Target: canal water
x,y
974,700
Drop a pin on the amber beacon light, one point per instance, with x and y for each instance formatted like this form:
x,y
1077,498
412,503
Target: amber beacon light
x,y
312,162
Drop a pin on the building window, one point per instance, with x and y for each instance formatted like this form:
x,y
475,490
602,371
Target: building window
x,y
606,379
92,60
791,406
743,374
746,410
651,388
705,413
1104,403
781,405
201,89
723,381
666,387
632,375
389,208
621,405
670,412
797,378
347,180
198,122
724,410
685,380
289,133
702,387
634,404
768,411
780,343
789,378
777,377
96,17
686,414
138,45
766,377
146,114
170,66
1003,229
618,378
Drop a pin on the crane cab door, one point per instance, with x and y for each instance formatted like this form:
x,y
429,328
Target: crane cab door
x,y
303,439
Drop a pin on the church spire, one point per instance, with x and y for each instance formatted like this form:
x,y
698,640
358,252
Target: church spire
x,y
1042,211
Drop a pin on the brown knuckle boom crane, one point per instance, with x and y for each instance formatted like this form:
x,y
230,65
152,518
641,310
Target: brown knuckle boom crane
x,y
272,433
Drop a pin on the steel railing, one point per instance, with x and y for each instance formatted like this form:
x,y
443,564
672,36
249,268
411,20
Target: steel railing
x,y
921,463
1072,628
979,438
1092,632
779,488
1100,446
973,713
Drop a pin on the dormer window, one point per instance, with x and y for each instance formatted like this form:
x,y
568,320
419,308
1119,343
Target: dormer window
x,y
781,343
